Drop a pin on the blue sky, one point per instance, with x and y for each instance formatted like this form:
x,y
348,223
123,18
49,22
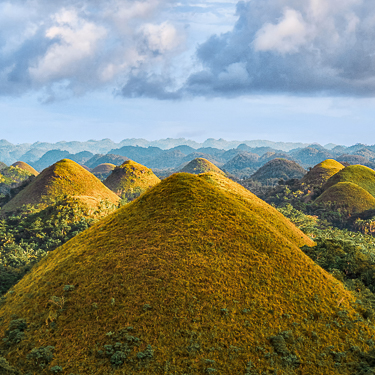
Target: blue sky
x,y
282,70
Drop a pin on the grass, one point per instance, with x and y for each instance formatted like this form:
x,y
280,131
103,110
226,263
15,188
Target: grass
x,y
201,165
322,172
26,167
131,179
189,278
357,174
65,177
349,196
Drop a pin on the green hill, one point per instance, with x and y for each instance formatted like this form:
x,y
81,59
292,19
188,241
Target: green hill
x,y
200,165
322,172
187,279
64,178
357,174
277,169
130,180
26,167
348,195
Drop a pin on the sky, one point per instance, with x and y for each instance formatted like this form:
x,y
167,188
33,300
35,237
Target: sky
x,y
280,70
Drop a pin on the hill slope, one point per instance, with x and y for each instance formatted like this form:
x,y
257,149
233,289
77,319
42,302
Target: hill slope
x,y
278,169
186,279
357,174
130,179
65,177
348,195
102,171
322,172
200,165
26,167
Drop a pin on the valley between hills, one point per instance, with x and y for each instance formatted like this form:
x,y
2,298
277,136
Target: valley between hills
x,y
175,257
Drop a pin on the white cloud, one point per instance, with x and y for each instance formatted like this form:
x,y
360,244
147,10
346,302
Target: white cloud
x,y
76,41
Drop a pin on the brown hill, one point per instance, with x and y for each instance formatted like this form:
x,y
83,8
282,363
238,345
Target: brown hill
x,y
26,167
64,178
186,279
130,180
102,171
201,165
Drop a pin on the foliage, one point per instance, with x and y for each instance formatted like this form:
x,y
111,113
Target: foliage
x,y
26,238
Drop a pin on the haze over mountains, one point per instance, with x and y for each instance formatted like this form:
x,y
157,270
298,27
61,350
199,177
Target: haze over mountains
x,y
241,158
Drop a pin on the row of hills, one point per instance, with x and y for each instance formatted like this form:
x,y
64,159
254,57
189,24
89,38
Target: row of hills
x,y
197,275
241,160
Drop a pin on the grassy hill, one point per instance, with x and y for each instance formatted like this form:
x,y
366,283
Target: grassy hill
x,y
348,195
26,167
64,178
277,169
130,179
200,165
187,279
357,174
102,171
322,172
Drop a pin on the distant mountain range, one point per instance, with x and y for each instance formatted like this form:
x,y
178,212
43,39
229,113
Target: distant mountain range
x,y
173,154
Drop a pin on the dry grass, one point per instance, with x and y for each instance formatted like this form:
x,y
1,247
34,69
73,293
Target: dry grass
x,y
64,178
218,274
201,165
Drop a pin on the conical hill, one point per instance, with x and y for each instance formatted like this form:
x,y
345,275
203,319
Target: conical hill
x,y
102,171
322,172
187,279
277,169
357,174
64,178
131,179
201,165
349,196
26,167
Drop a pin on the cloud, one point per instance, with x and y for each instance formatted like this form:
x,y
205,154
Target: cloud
x,y
70,47
311,47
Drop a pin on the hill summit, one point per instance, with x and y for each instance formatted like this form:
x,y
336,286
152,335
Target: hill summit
x,y
26,167
64,178
130,180
200,165
189,278
318,175
277,169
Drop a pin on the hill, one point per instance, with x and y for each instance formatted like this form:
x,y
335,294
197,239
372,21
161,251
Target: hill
x,y
102,171
318,175
200,165
64,178
241,161
349,196
25,167
104,159
357,174
130,180
277,169
186,279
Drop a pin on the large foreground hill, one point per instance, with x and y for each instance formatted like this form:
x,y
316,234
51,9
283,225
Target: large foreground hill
x,y
191,278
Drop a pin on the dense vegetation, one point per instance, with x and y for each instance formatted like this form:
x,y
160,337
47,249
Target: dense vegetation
x,y
28,236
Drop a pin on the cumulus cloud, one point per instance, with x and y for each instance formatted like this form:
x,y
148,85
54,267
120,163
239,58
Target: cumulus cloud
x,y
291,46
69,47
140,47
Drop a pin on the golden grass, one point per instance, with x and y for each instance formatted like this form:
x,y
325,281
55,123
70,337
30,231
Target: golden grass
x,y
131,178
357,174
218,274
26,167
322,172
351,196
201,165
65,177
